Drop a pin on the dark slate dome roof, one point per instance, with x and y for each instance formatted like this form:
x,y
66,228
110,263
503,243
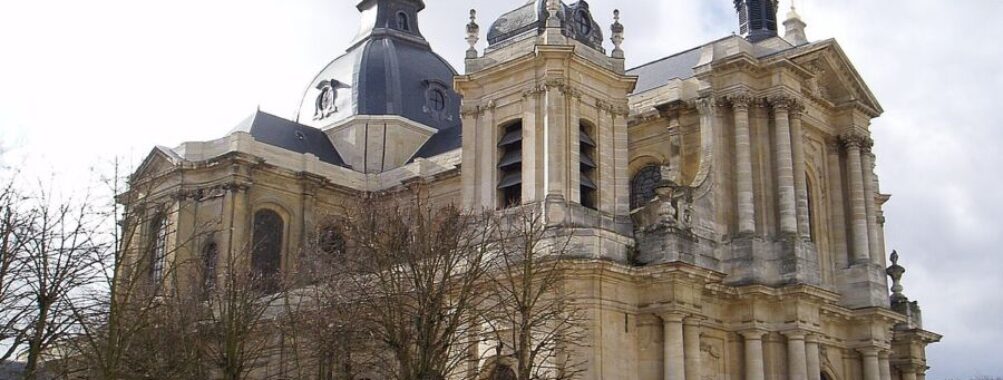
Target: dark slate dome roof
x,y
527,21
389,70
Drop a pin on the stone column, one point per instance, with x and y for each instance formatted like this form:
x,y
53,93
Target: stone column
x,y
754,366
691,339
674,359
800,173
797,366
743,166
870,203
870,364
909,374
858,209
884,366
814,358
241,223
836,206
785,165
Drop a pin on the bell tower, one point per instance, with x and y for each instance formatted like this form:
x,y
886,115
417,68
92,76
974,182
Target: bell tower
x,y
757,19
544,115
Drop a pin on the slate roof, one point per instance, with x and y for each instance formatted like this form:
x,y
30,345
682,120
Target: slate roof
x,y
386,71
656,74
443,141
276,131
531,18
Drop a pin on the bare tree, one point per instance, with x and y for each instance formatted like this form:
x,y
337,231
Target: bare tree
x,y
13,291
416,272
323,327
236,330
532,320
57,250
126,326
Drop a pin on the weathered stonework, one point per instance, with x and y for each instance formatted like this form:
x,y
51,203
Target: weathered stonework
x,y
760,257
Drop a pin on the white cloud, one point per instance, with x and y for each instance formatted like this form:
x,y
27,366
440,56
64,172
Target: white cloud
x,y
83,81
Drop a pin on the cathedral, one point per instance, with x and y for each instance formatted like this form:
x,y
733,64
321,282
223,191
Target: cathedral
x,y
726,216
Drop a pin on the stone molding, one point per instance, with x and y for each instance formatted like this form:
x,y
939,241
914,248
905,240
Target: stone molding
x,y
476,110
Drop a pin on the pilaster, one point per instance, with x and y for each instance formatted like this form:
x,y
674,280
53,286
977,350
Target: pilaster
x,y
813,357
621,174
487,142
884,366
555,136
800,175
691,340
837,222
530,147
468,172
870,203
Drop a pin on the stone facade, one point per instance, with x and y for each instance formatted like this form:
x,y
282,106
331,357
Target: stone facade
x,y
757,253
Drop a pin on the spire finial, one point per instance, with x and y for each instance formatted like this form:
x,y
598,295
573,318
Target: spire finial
x,y
473,34
795,27
617,36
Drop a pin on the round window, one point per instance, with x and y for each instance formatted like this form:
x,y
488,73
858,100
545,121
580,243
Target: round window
x,y
437,100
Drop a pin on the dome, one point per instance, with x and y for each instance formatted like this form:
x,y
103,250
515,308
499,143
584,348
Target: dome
x,y
389,70
527,21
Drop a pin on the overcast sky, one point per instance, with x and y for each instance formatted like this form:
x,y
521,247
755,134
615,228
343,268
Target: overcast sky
x,y
82,82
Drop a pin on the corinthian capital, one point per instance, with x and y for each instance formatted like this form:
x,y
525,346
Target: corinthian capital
x,y
784,102
856,140
705,104
740,100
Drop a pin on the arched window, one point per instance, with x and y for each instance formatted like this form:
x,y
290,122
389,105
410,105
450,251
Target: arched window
x,y
210,260
502,372
587,150
158,247
642,187
403,22
266,252
510,166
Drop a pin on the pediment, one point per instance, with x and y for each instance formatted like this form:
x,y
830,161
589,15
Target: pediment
x,y
159,160
834,80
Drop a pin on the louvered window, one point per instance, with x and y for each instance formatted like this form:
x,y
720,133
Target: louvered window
x,y
587,146
510,166
756,14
